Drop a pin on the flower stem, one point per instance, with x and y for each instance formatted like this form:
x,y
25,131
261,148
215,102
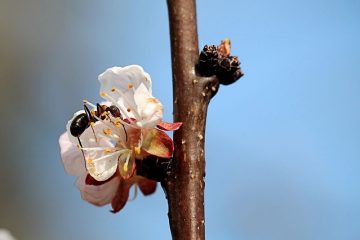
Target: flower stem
x,y
184,186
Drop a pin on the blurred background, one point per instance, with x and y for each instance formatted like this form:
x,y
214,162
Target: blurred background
x,y
283,143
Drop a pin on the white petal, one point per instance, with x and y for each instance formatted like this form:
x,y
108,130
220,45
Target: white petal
x,y
104,167
150,110
120,85
5,235
98,195
95,136
121,77
100,152
71,156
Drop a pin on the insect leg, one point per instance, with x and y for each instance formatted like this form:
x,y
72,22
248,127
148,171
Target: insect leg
x,y
82,151
91,120
126,135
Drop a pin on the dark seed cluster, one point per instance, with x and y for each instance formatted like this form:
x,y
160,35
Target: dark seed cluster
x,y
216,60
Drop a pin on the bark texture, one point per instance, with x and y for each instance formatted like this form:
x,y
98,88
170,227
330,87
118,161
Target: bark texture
x,y
184,185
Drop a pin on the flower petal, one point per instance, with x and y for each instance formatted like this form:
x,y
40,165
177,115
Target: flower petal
x,y
71,156
121,196
150,110
6,235
101,157
121,77
129,88
104,167
146,186
168,126
98,195
158,143
89,180
118,85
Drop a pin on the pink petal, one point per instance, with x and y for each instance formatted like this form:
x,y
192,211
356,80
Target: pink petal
x,y
99,195
147,186
168,126
71,156
89,180
158,143
121,196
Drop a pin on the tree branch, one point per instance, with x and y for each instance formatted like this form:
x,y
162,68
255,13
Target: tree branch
x,y
184,185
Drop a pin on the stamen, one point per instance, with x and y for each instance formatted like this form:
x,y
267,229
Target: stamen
x,y
137,150
89,103
107,131
90,162
110,155
126,165
111,128
113,149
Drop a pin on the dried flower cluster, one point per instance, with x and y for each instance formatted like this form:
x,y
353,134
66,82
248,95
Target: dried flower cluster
x,y
216,60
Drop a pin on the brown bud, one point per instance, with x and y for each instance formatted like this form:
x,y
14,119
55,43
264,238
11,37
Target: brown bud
x,y
208,60
228,70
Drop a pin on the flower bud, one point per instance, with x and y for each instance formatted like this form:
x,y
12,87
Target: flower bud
x,y
228,70
216,60
208,60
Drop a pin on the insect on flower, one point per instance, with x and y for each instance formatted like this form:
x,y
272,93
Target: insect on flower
x,y
113,134
82,121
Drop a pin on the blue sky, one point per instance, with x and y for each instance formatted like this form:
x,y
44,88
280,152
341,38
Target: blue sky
x,y
282,144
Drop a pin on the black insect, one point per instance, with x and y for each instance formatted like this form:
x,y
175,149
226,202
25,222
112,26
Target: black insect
x,y
102,110
82,121
115,112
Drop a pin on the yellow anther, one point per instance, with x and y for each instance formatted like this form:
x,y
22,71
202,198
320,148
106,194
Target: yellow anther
x,y
107,131
108,150
117,122
90,162
152,100
125,167
102,94
137,150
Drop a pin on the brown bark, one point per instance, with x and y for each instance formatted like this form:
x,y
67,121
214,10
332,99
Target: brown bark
x,y
184,186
